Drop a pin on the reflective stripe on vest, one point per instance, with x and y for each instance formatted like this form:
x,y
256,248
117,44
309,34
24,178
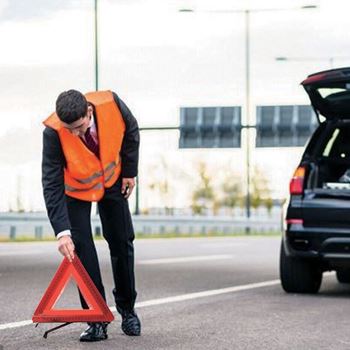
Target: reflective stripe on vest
x,y
90,178
110,166
109,176
73,189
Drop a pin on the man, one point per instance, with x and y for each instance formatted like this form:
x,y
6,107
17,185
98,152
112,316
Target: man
x,y
90,154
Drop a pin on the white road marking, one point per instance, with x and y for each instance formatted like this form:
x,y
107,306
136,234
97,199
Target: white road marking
x,y
183,259
223,244
168,300
177,298
15,324
21,253
204,294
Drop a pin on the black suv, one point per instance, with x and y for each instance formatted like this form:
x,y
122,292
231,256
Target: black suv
x,y
316,236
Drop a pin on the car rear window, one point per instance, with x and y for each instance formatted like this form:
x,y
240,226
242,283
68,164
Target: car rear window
x,y
330,170
335,100
325,92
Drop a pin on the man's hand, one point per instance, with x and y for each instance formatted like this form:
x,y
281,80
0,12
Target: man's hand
x,y
128,184
66,247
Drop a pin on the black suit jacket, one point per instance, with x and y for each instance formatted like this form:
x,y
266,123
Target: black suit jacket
x,y
53,163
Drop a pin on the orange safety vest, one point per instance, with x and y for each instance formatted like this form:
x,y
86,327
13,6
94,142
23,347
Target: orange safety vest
x,y
85,175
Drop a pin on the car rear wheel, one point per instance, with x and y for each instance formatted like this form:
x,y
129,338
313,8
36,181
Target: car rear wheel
x,y
299,275
343,276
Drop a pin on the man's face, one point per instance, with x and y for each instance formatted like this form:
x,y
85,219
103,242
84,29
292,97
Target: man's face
x,y
79,127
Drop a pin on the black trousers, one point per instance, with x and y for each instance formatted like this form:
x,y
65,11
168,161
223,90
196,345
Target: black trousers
x,y
119,233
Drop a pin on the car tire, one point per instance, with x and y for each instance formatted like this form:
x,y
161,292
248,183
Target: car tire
x,y
299,275
343,276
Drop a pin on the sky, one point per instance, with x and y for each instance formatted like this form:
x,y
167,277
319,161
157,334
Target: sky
x,y
158,60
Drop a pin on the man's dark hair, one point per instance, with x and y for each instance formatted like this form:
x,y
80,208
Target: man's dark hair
x,y
71,105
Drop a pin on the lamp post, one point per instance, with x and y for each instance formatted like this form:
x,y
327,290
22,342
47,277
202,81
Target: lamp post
x,y
137,193
96,71
96,48
248,125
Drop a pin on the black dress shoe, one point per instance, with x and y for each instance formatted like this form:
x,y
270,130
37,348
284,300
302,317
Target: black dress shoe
x,y
95,332
131,324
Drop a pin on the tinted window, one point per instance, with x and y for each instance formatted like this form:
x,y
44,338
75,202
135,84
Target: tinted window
x,y
325,92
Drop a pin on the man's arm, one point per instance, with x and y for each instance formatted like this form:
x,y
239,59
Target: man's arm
x,y
53,181
131,141
53,187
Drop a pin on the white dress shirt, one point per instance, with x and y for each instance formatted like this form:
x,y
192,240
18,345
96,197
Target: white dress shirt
x,y
93,133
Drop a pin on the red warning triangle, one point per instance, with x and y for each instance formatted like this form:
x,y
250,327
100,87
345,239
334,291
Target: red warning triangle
x,y
98,310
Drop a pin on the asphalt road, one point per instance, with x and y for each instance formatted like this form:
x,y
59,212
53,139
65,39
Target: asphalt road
x,y
200,293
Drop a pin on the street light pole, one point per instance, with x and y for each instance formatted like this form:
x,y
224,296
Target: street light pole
x,y
247,107
96,71
247,13
137,211
96,48
137,199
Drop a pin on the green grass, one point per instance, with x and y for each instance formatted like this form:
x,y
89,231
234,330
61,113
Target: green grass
x,y
28,238
210,234
24,238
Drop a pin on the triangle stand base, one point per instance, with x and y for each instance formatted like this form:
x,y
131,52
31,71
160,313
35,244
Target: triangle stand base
x,y
53,329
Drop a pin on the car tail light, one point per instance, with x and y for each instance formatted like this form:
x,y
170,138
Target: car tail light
x,y
295,221
296,185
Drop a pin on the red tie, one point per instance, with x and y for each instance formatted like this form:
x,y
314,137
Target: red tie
x,y
91,143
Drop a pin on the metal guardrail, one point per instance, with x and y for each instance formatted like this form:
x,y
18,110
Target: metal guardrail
x,y
36,225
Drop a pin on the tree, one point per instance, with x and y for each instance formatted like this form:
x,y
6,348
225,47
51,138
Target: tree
x,y
268,204
260,194
161,185
232,192
203,197
19,195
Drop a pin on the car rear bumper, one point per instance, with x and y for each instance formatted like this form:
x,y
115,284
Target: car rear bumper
x,y
317,243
